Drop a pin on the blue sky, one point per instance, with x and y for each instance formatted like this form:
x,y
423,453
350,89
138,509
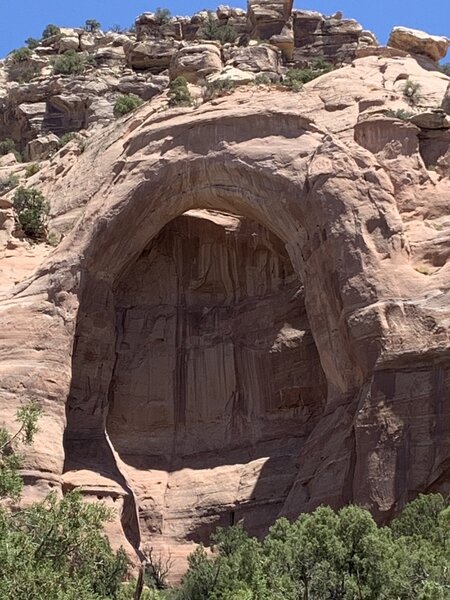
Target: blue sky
x,y
20,19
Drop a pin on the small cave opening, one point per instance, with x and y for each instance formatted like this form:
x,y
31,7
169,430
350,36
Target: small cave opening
x,y
196,382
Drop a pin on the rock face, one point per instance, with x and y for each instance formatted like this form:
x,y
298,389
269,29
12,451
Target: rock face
x,y
248,313
257,59
419,42
331,38
215,385
268,17
196,62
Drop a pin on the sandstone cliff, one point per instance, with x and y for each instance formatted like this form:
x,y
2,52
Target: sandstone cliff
x,y
247,312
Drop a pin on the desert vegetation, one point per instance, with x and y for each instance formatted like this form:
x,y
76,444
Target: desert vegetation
x,y
126,104
32,210
179,94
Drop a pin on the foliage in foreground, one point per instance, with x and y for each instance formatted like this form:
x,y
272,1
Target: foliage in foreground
x,y
330,556
56,550
8,183
412,92
10,461
50,31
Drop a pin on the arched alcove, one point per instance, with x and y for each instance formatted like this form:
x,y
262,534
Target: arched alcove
x,y
263,452
215,380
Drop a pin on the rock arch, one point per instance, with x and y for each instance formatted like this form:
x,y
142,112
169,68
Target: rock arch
x,y
332,205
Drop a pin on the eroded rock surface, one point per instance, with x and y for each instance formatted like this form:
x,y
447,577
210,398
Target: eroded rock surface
x,y
247,313
419,42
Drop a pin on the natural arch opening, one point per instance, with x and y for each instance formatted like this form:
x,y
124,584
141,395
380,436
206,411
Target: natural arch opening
x,y
217,381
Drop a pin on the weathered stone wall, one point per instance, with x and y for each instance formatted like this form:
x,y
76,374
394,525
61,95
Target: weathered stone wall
x,y
199,368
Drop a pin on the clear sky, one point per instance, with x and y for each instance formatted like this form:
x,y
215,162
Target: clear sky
x,y
20,19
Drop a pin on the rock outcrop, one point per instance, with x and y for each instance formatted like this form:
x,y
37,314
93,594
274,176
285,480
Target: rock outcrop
x,y
268,17
328,38
419,42
245,313
196,62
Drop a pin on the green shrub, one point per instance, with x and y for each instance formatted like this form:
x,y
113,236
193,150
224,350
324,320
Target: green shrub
x,y
329,555
50,31
10,462
400,113
216,89
296,78
32,169
21,55
53,239
23,72
179,94
411,91
32,210
262,79
92,25
72,135
444,68
162,15
212,30
8,183
69,63
32,43
66,138
54,549
126,104
7,146
57,549
322,65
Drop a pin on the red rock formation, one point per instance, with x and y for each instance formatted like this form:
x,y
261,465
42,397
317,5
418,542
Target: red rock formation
x,y
216,367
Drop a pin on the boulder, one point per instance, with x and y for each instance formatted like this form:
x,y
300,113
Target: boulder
x,y
42,147
268,17
8,160
100,110
68,43
223,12
435,147
110,55
256,59
431,119
66,112
284,41
141,86
415,41
87,42
196,62
148,26
328,38
367,39
236,76
379,133
153,54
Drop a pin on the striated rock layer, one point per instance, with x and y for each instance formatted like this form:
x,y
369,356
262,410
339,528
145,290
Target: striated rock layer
x,y
248,315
